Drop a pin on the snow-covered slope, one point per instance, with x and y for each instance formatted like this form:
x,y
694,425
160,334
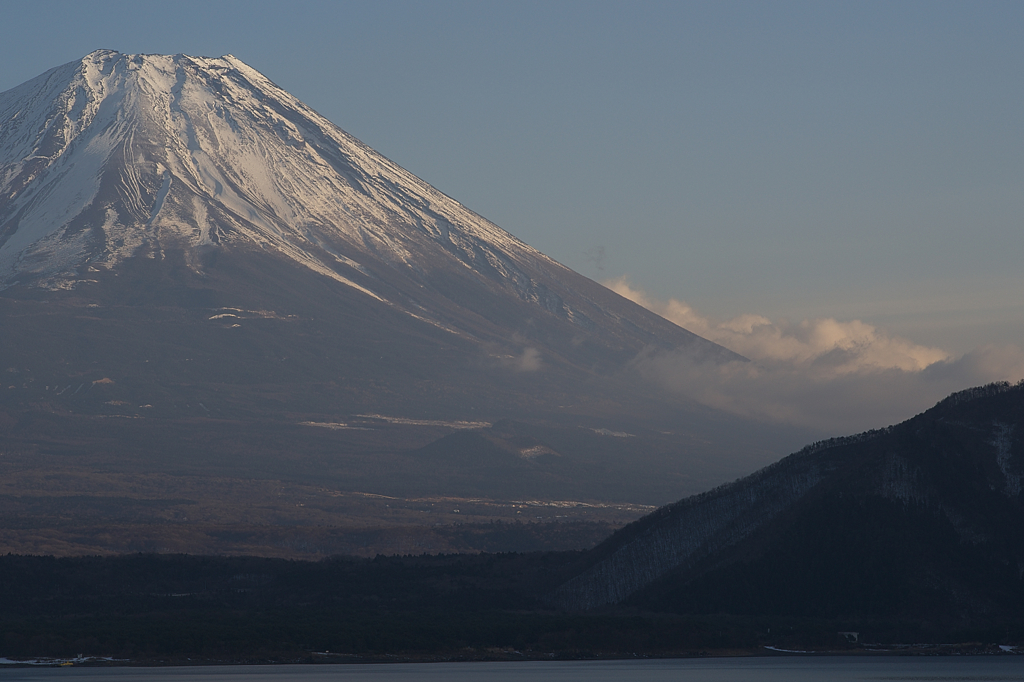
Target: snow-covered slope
x,y
121,154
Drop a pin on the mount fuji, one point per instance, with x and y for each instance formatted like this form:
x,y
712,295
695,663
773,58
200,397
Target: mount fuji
x,y
196,269
169,158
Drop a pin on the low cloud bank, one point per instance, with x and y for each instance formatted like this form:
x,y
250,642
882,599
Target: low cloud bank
x,y
839,377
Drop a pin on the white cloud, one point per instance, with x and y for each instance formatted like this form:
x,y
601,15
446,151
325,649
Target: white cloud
x,y
845,347
529,361
832,375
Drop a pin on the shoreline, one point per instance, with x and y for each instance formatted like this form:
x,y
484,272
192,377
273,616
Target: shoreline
x,y
317,658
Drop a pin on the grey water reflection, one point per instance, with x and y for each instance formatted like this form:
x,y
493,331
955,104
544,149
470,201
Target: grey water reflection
x,y
768,669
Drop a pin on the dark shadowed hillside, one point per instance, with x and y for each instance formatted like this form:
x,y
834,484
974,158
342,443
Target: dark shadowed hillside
x,y
919,520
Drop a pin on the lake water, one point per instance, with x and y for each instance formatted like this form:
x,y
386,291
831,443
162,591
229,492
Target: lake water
x,y
781,669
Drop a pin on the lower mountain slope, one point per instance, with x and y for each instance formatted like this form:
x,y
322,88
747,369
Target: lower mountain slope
x,y
258,369
922,520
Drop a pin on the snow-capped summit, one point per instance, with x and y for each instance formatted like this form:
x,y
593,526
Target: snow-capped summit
x,y
120,155
117,157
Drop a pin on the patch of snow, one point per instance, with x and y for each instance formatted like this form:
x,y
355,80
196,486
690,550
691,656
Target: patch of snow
x,y
161,196
433,323
570,504
336,426
1001,441
426,422
614,434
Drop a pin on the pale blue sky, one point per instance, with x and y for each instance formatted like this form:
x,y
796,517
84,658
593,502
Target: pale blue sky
x,y
859,160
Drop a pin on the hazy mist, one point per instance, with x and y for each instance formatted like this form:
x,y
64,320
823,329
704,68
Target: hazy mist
x,y
837,376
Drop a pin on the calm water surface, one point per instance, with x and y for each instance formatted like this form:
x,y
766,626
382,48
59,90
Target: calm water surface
x,y
782,669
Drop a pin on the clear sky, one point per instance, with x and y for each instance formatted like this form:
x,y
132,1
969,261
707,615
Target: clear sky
x,y
797,161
